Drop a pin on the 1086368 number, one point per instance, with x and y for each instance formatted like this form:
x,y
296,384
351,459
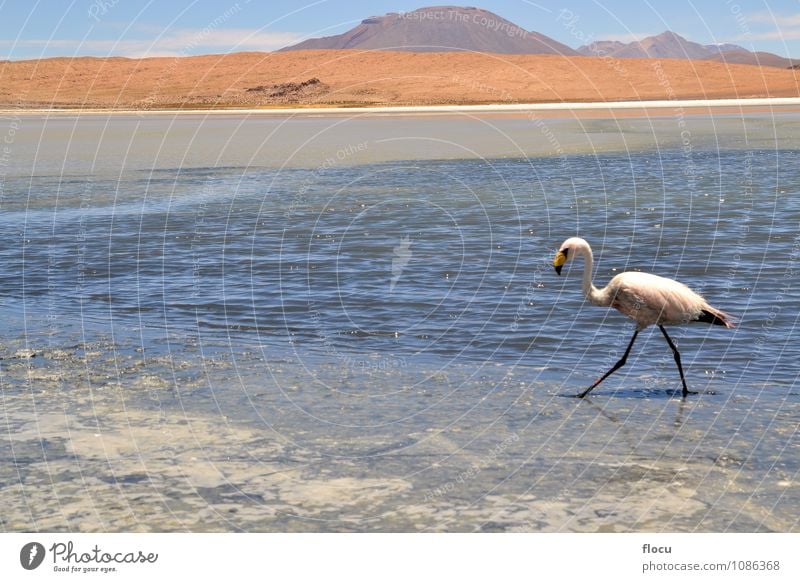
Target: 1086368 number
x,y
750,565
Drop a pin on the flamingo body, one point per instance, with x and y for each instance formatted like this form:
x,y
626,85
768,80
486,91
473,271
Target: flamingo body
x,y
652,300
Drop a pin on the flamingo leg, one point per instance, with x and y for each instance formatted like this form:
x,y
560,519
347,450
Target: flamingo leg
x,y
677,356
616,367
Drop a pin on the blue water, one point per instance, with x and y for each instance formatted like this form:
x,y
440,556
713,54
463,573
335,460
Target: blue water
x,y
353,307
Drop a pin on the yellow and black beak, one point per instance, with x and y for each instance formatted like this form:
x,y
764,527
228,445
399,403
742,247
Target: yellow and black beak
x,y
558,262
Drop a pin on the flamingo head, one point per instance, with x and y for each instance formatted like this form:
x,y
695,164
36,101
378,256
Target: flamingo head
x,y
570,248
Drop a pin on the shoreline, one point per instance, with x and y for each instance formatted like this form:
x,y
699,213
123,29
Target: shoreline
x,y
625,108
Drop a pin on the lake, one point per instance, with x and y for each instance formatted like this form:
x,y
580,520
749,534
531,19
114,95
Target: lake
x,y
351,323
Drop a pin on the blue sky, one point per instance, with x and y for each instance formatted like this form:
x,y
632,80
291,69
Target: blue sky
x,y
30,29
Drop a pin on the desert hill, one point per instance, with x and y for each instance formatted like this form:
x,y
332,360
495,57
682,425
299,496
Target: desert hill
x,y
352,78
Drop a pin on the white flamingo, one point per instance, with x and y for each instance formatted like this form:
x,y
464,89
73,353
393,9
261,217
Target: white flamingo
x,y
647,299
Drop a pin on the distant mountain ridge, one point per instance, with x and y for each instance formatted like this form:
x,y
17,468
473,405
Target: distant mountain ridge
x,y
456,28
669,45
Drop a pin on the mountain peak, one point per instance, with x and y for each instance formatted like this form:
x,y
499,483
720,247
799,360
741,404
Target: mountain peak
x,y
440,29
467,28
669,35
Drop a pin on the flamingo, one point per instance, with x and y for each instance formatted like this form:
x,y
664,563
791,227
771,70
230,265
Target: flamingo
x,y
647,299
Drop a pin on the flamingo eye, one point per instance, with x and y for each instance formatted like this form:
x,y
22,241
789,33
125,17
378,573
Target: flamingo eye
x,y
566,252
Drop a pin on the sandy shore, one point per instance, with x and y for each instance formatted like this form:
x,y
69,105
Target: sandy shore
x,y
375,79
595,109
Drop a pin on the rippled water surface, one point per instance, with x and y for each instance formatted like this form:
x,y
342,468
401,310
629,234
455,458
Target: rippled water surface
x,y
352,323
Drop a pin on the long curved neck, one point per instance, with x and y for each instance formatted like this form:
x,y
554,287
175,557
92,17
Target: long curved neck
x,y
589,290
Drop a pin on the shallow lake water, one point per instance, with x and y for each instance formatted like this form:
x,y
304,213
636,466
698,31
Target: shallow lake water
x,y
351,323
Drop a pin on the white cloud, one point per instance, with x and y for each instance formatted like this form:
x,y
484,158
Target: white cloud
x,y
783,26
783,34
779,20
178,42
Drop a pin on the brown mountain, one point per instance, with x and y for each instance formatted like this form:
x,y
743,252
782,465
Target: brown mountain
x,y
669,45
745,57
440,29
